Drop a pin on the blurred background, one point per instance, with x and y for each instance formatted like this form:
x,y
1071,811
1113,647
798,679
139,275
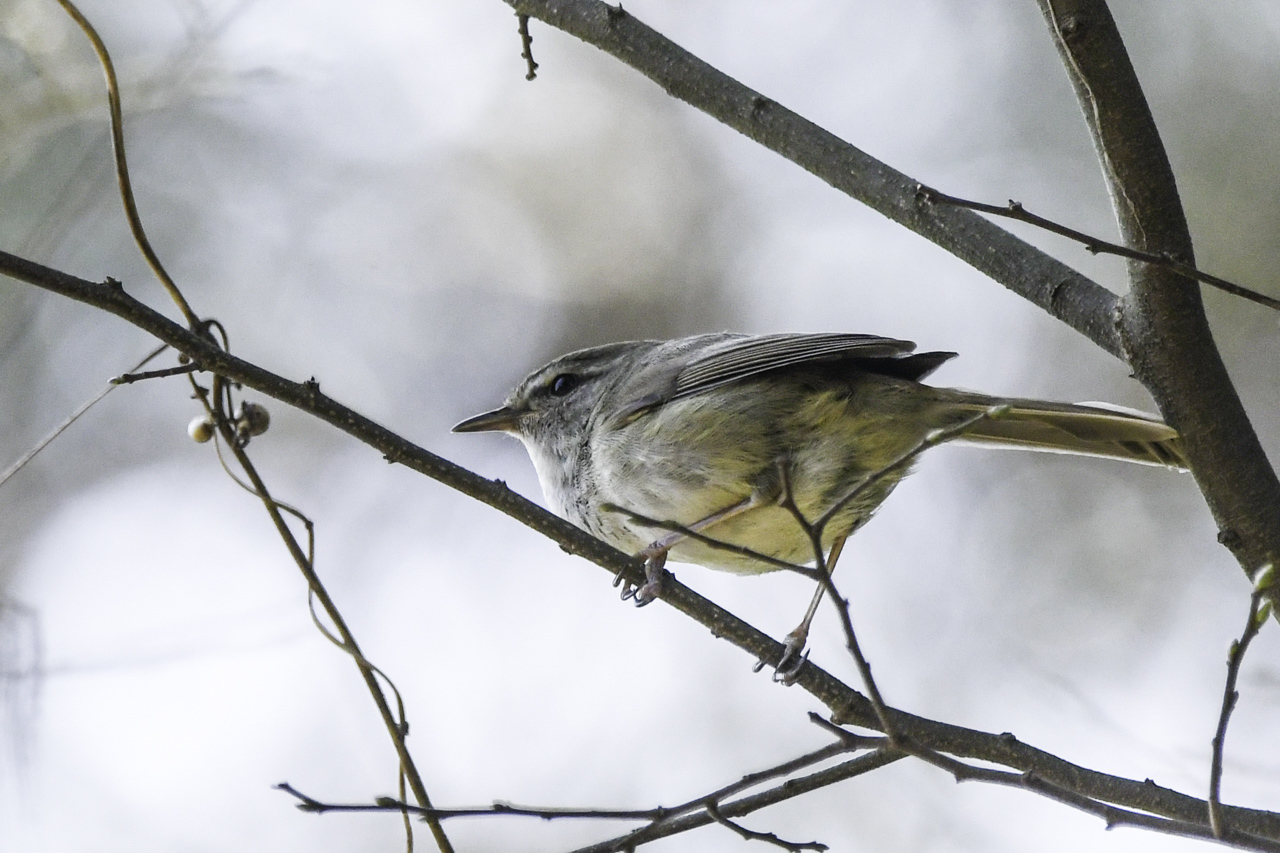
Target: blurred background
x,y
373,195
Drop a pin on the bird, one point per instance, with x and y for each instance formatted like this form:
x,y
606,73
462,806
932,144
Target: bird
x,y
751,453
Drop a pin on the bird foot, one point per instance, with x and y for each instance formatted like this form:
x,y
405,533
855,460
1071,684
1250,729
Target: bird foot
x,y
654,572
792,660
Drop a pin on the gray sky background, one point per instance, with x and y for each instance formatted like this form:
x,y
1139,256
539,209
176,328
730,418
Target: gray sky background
x,y
373,195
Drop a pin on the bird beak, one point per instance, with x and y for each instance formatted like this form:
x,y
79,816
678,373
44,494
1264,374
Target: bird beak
x,y
499,420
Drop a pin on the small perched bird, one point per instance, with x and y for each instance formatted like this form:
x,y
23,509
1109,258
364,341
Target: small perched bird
x,y
756,440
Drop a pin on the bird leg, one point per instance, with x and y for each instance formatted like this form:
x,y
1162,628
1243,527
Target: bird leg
x,y
789,665
655,555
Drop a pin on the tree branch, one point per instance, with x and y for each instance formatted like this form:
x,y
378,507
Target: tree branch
x,y
1164,332
1069,296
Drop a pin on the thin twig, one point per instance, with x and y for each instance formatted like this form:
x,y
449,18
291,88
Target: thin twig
x,y
814,533
848,742
387,804
25,458
815,530
236,441
177,370
794,787
786,768
1235,657
1096,246
1113,815
751,835
932,439
718,544
526,46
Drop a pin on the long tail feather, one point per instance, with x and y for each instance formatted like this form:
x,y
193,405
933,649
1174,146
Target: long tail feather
x,y
1087,429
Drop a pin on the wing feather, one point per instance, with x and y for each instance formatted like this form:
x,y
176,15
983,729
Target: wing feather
x,y
740,358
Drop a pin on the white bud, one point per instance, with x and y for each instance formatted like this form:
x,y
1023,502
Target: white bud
x,y
200,429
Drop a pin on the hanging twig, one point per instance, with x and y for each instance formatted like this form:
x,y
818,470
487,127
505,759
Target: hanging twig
x,y
526,46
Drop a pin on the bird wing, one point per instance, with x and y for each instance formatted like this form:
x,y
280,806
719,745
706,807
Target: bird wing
x,y
740,358
693,365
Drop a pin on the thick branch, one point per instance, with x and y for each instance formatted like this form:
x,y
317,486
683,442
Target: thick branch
x,y
1066,294
846,704
1165,335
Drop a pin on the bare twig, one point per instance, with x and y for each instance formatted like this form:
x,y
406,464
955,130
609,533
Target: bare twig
x,y
387,804
932,439
815,530
790,789
21,461
178,370
712,542
1114,817
236,438
1235,657
814,533
526,46
705,806
1094,245
751,835
849,742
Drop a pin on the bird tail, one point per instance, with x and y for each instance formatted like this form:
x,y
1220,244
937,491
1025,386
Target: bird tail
x,y
1089,429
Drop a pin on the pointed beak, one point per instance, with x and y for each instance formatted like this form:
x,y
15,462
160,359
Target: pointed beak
x,y
499,420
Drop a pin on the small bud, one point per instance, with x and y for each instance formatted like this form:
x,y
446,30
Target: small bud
x,y
254,419
1265,576
1264,613
200,429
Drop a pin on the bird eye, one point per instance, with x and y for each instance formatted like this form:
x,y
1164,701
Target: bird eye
x,y
563,384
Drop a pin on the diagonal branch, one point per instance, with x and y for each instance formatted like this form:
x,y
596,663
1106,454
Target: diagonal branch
x,y
847,705
1069,296
1165,336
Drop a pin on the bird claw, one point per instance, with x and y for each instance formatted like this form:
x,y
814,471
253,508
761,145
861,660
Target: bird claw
x,y
792,661
648,591
788,670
